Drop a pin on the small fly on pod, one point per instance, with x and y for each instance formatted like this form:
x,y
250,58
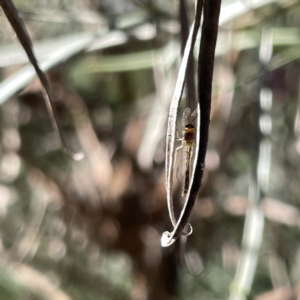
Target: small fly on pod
x,y
184,153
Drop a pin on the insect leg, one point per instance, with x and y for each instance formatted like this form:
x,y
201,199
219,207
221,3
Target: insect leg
x,y
178,137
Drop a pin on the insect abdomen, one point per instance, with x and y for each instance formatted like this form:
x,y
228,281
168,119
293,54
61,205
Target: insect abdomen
x,y
186,183
187,172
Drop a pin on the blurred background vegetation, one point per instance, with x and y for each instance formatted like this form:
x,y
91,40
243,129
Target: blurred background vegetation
x,y
91,229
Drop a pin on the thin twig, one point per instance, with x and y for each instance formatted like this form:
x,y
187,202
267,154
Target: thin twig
x,y
22,34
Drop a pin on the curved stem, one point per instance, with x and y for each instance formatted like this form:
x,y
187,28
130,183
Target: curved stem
x,y
205,75
171,130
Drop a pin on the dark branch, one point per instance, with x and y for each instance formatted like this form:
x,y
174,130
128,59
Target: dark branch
x,y
190,80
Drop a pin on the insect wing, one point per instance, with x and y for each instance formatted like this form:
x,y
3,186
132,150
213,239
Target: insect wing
x,y
193,116
185,116
179,163
188,116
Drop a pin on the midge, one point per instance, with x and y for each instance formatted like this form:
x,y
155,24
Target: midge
x,y
184,153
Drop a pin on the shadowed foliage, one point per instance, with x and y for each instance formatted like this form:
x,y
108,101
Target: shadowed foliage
x,y
91,229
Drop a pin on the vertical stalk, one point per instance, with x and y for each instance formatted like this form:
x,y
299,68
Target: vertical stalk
x,y
254,224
